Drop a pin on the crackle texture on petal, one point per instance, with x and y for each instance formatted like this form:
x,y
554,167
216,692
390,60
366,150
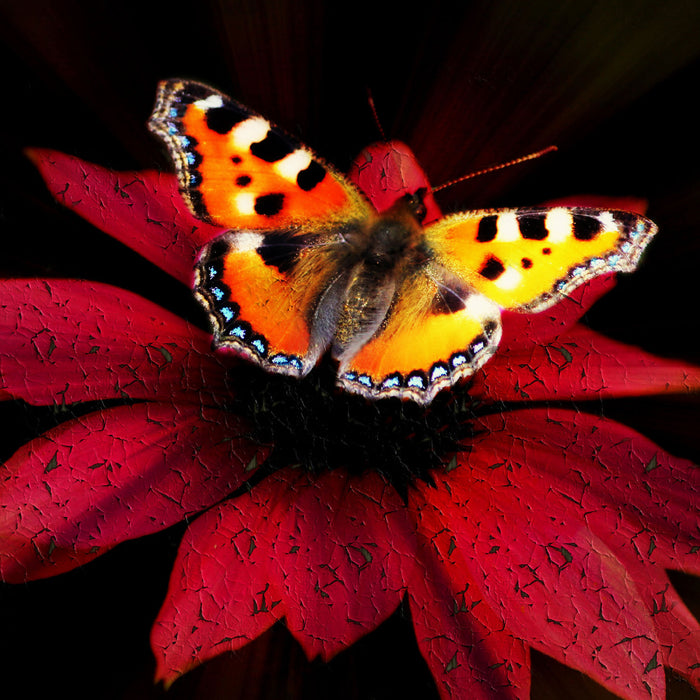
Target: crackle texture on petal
x,y
616,471
113,475
324,553
642,502
143,210
465,642
553,580
387,171
339,552
221,593
69,340
581,364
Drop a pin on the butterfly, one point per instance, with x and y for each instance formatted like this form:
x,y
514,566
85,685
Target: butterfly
x,y
305,265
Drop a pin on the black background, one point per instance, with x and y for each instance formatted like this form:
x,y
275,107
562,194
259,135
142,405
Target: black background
x,y
612,84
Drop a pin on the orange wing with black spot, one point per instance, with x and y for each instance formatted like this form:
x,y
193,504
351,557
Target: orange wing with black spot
x,y
528,259
444,322
264,282
306,264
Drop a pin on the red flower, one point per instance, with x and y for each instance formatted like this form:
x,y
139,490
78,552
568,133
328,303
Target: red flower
x,y
552,530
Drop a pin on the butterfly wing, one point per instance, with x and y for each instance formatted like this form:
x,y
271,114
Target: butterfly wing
x,y
529,259
270,284
444,322
437,331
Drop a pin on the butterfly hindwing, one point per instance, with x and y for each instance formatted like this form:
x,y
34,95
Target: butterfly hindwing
x,y
261,294
436,332
528,259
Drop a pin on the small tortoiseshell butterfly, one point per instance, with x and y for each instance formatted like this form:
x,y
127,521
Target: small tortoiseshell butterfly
x,y
308,265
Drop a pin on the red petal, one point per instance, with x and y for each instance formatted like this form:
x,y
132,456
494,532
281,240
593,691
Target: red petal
x,y
221,595
677,630
113,475
626,484
641,501
554,582
522,331
581,364
322,553
338,550
468,649
387,171
143,210
67,341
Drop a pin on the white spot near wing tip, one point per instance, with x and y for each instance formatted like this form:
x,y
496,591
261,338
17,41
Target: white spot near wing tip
x,y
509,279
211,102
607,221
507,227
291,165
249,131
559,224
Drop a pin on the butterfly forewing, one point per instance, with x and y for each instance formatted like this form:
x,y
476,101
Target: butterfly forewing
x,y
528,259
238,170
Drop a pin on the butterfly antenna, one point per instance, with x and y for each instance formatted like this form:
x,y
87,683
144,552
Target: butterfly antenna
x,y
372,106
500,166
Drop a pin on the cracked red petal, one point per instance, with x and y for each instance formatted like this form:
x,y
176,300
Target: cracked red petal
x,y
221,593
465,642
638,499
338,550
323,553
545,572
581,364
113,475
677,630
612,472
68,340
143,210
387,171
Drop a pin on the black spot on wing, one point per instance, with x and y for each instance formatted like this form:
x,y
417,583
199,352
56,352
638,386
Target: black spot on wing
x,y
532,227
526,263
492,269
217,249
310,176
447,301
223,119
586,228
273,147
243,180
626,219
269,204
281,249
487,228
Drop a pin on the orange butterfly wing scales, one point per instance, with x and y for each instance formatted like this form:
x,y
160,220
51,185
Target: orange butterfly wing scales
x,y
527,259
238,170
407,307
416,335
241,172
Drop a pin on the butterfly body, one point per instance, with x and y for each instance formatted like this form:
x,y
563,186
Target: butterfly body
x,y
305,264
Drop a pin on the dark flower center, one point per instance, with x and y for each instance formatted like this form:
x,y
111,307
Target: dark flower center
x,y
312,424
